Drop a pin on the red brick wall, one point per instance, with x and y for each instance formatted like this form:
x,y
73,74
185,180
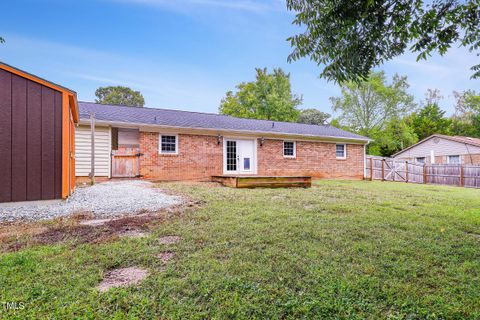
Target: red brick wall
x,y
471,159
200,157
440,159
315,159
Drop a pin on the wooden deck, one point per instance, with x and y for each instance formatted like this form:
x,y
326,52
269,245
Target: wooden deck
x,y
263,181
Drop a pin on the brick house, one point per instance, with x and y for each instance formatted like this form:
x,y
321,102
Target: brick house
x,y
442,149
179,145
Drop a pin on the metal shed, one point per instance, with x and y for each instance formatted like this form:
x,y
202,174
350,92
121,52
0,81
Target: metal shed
x,y
37,151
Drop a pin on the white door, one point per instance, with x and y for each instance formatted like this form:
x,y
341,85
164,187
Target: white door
x,y
240,156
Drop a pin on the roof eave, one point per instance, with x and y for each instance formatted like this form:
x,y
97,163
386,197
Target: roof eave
x,y
146,126
441,136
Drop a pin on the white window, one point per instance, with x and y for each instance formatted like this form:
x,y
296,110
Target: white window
x,y
453,159
289,149
168,144
420,159
341,151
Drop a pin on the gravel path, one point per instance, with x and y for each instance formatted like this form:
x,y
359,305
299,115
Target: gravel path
x,y
106,199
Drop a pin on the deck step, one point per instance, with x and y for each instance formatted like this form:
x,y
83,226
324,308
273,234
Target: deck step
x,y
264,182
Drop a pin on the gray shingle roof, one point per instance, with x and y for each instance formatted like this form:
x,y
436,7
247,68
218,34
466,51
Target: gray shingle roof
x,y
187,119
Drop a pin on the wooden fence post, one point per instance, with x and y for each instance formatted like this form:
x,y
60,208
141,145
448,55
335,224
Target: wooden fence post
x,y
462,176
383,169
424,173
371,169
406,171
394,169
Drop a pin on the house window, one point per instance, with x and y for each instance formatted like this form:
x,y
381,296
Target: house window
x,y
453,159
231,155
341,151
420,160
246,163
289,149
169,144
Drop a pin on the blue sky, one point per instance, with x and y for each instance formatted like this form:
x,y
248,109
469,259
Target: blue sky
x,y
185,54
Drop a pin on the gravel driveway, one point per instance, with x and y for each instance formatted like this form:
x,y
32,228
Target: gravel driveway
x,y
107,199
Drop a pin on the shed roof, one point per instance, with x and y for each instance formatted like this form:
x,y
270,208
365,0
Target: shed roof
x,y
199,120
35,78
72,95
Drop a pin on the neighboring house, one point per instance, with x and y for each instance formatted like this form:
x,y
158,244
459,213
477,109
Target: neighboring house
x,y
442,149
179,145
36,137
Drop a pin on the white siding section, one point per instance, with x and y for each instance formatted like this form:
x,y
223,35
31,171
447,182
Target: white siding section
x,y
440,147
83,151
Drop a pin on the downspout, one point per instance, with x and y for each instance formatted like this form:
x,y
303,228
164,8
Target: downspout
x,y
365,160
469,154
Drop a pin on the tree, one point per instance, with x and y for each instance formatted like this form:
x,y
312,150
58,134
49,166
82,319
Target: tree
x,y
119,95
313,116
365,107
467,103
2,40
396,136
351,37
466,120
430,119
268,97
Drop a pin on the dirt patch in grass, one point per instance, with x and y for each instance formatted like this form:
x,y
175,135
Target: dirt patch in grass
x,y
165,256
83,229
122,278
475,235
135,233
169,239
94,222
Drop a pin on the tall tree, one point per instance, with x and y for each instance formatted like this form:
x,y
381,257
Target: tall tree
x,y
396,136
119,95
351,37
430,119
313,116
268,97
467,103
466,120
2,40
365,107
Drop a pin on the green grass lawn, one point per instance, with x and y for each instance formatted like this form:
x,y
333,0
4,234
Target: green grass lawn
x,y
340,250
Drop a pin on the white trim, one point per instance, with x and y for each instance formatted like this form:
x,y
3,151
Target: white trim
x,y
344,151
110,151
294,149
364,160
160,143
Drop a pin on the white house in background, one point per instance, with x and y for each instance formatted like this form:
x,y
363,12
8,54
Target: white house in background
x,y
442,149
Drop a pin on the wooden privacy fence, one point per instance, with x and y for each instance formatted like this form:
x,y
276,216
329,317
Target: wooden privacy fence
x,y
387,169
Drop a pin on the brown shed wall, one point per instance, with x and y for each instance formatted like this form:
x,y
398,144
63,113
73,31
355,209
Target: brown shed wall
x,y
30,140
